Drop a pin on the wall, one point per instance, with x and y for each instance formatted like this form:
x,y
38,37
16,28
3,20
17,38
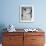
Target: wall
x,y
10,13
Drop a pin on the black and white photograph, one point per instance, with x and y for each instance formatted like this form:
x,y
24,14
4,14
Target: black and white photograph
x,y
26,13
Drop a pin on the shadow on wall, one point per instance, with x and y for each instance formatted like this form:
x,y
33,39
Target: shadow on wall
x,y
2,26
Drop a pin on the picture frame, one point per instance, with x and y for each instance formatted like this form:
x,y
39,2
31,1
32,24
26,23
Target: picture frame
x,y
26,13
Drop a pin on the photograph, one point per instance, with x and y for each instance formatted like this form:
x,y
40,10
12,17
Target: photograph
x,y
26,13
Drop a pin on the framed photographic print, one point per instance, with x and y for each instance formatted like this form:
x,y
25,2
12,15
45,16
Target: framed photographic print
x,y
26,13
